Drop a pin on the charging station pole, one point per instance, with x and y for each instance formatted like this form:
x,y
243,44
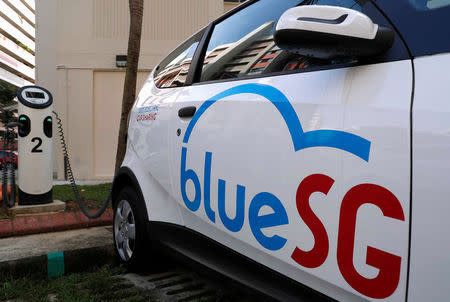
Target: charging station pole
x,y
35,146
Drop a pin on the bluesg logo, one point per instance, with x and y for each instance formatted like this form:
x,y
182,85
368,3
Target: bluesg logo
x,y
257,223
389,265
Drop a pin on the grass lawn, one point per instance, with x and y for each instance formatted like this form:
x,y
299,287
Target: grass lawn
x,y
101,285
94,196
93,192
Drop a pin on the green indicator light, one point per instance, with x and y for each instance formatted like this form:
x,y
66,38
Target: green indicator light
x,y
49,120
23,119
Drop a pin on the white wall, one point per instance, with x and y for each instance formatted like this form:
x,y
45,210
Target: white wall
x,y
77,43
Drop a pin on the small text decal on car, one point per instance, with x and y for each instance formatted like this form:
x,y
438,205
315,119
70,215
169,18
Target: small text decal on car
x,y
149,113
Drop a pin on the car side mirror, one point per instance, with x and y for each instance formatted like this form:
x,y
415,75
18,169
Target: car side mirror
x,y
328,32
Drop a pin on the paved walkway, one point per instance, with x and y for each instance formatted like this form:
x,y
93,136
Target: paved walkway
x,y
42,244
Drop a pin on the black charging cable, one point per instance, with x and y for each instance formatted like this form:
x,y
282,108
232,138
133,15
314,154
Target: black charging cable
x,y
72,179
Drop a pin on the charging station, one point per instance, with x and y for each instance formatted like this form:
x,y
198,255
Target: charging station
x,y
35,136
35,160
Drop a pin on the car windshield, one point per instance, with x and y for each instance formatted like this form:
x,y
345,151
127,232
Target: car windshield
x,y
429,4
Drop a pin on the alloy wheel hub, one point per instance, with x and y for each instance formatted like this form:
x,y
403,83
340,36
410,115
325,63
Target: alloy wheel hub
x,y
124,230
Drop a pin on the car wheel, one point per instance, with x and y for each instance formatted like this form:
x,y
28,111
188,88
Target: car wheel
x,y
131,238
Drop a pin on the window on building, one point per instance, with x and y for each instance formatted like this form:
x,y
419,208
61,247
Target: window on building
x,y
243,44
173,70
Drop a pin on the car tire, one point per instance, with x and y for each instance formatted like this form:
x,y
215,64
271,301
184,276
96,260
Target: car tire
x,y
131,238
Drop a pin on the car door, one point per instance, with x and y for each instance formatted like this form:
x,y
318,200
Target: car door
x,y
152,112
301,164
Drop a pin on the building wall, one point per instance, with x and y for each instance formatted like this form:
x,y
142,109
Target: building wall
x,y
77,43
17,26
227,6
105,132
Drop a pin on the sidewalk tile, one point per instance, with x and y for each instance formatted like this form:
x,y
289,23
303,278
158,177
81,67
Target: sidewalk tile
x,y
5,228
71,220
47,223
106,218
59,223
20,226
32,223
109,214
51,223
84,221
95,222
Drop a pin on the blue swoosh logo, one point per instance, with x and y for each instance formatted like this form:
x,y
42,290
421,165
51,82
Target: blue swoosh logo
x,y
341,140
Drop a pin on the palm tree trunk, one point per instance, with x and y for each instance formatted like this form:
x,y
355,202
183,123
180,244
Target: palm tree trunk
x,y
129,90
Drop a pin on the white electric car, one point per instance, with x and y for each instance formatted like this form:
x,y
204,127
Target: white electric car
x,y
301,147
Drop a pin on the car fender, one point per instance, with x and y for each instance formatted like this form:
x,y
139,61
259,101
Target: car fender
x,y
160,206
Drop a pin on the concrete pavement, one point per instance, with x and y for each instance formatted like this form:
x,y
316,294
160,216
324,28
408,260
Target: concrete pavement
x,y
77,251
14,248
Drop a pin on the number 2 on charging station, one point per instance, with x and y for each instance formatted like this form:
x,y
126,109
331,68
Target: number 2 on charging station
x,y
38,144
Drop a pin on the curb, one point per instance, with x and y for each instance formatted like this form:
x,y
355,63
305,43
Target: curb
x,y
74,261
51,223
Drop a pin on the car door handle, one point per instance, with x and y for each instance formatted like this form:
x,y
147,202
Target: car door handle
x,y
187,111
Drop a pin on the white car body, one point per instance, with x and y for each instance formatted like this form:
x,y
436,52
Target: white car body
x,y
335,178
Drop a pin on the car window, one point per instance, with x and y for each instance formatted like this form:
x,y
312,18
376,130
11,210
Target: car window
x,y
423,24
173,70
429,4
243,44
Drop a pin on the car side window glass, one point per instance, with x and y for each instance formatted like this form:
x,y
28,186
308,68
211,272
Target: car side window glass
x,y
429,4
243,44
173,70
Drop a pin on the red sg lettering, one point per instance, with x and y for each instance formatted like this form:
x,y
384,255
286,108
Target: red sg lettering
x,y
389,265
317,256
